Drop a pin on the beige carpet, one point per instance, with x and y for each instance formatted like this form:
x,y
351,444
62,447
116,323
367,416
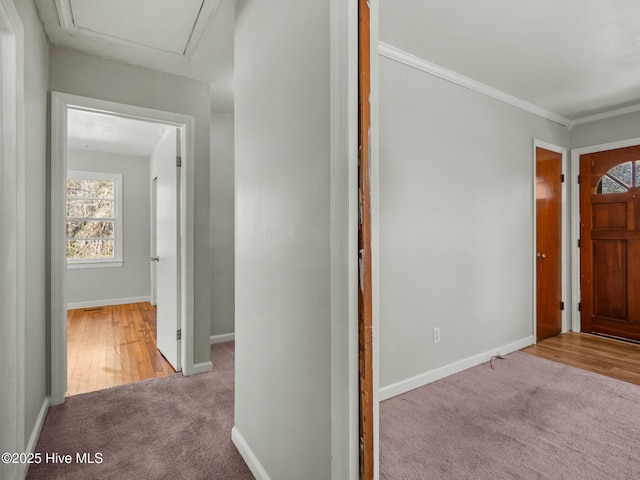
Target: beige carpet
x,y
529,418
170,428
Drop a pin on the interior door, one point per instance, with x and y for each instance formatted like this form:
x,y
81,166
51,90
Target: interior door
x,y
610,242
154,241
548,243
168,247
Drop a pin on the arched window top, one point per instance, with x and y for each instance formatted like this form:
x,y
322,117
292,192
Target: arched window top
x,y
620,178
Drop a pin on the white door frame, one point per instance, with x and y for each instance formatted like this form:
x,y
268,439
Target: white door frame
x,y
374,167
343,171
564,251
60,102
12,236
575,217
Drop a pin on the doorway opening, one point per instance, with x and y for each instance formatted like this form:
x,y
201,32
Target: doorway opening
x,y
107,326
113,333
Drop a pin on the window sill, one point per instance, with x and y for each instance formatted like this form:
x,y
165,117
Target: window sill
x,y
97,264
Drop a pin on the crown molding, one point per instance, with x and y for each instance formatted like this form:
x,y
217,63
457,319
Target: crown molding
x,y
418,63
394,53
608,114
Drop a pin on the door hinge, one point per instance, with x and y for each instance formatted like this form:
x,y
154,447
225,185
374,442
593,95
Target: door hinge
x,y
179,334
579,243
361,455
562,178
178,161
578,179
562,306
579,306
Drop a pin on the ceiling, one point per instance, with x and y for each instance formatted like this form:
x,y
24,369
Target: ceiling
x,y
108,133
574,58
571,57
191,38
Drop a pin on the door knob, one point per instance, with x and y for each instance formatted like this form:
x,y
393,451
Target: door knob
x,y
155,259
541,255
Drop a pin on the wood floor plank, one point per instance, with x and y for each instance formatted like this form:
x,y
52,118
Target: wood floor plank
x,y
606,356
109,346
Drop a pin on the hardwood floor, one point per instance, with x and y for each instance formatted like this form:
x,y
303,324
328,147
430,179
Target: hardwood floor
x,y
109,346
613,358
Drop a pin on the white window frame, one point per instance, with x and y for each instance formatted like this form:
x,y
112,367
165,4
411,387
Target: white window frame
x,y
118,256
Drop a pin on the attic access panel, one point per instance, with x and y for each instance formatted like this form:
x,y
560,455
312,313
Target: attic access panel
x,y
165,25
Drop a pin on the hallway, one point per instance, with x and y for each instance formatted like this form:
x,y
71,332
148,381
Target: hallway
x,y
173,427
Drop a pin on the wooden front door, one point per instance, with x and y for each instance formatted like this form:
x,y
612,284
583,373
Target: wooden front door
x,y
548,243
610,242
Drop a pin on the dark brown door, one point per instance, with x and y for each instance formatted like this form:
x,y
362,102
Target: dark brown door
x,y
610,242
548,243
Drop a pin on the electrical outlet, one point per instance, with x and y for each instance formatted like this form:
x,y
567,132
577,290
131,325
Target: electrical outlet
x,y
436,335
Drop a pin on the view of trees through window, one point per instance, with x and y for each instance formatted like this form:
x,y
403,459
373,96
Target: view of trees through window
x,y
90,218
620,178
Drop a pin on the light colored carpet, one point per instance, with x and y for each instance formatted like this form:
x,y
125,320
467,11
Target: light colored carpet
x,y
170,428
529,418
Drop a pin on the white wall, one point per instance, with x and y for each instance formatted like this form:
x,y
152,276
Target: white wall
x,y
36,81
608,130
132,280
456,221
222,248
282,290
82,74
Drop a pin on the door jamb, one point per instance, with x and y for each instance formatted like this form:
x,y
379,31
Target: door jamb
x,y
575,217
374,145
564,248
60,102
345,448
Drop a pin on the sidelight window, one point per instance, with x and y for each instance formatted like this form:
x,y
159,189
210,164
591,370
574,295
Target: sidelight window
x,y
94,219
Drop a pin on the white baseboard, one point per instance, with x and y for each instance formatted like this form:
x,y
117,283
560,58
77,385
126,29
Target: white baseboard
x,y
247,454
107,303
37,428
226,337
438,373
201,368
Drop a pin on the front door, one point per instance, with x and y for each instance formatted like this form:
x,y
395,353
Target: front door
x,y
548,243
610,242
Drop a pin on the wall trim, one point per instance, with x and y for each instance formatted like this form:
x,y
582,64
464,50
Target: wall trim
x,y
406,58
418,63
247,454
225,337
575,218
608,114
203,367
107,302
425,378
37,428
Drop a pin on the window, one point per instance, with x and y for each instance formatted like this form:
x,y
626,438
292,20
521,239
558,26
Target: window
x,y
94,219
620,178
